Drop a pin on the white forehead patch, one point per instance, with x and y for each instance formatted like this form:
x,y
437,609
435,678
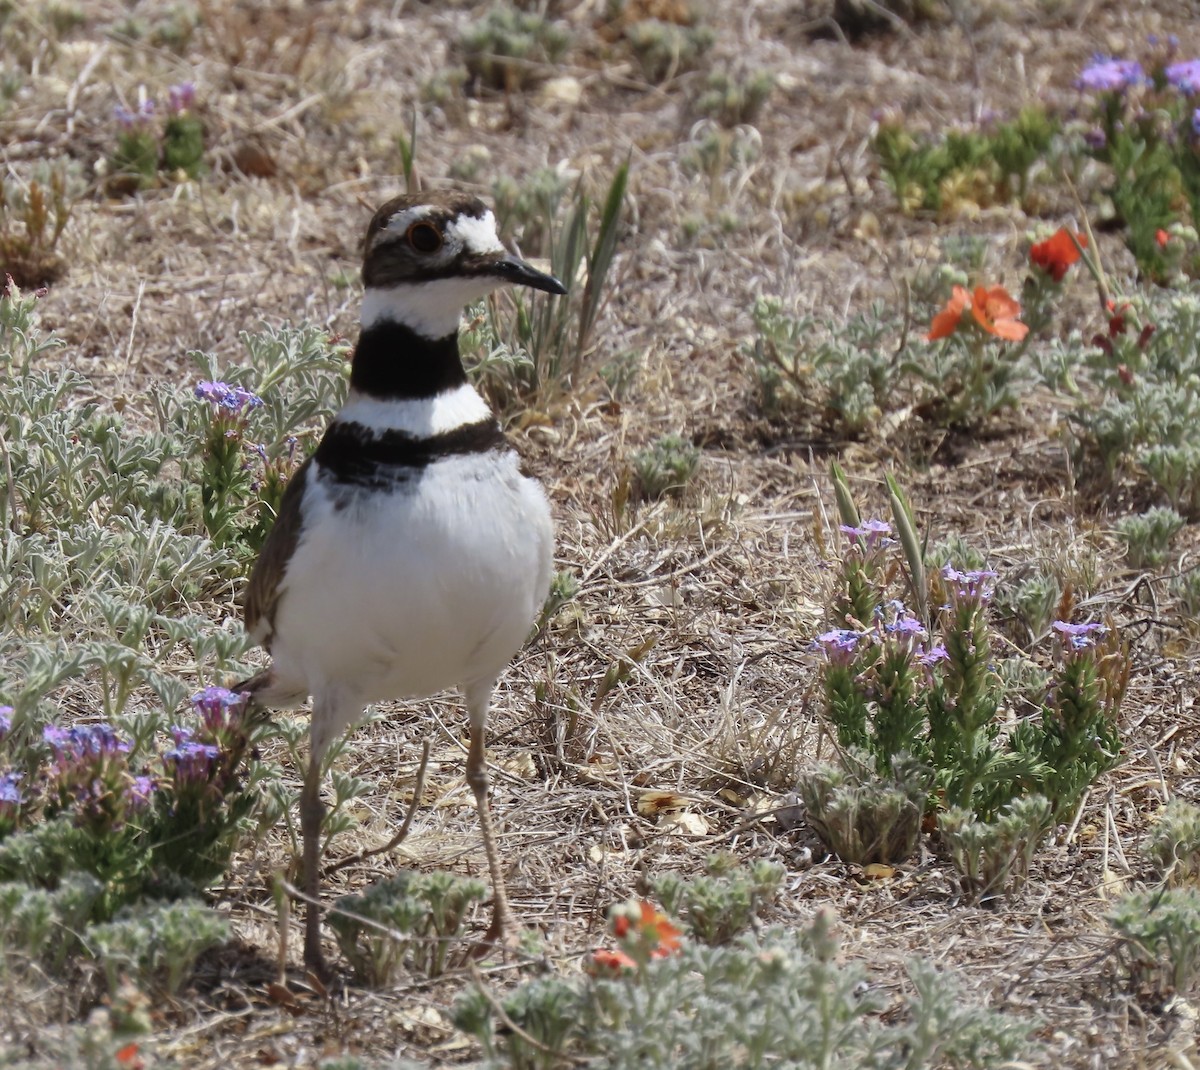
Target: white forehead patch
x,y
475,234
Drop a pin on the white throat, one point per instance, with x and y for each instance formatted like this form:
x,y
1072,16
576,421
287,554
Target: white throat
x,y
432,309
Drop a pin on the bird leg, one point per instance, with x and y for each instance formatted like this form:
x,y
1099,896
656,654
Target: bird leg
x,y
477,778
312,813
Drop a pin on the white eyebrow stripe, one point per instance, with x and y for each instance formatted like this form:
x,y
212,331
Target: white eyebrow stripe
x,y
401,221
475,234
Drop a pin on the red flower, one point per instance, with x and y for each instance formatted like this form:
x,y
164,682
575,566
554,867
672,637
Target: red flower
x,y
606,961
996,312
1058,252
652,927
1162,237
945,323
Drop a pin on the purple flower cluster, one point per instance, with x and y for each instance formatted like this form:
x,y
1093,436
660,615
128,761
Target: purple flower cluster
x,y
840,645
10,791
232,399
1104,75
83,741
133,120
191,762
89,773
973,585
1185,76
1080,636
181,97
873,533
220,709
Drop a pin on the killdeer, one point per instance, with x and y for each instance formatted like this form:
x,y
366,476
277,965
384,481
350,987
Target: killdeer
x,y
410,554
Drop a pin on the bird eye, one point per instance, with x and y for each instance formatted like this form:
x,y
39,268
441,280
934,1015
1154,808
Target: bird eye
x,y
425,237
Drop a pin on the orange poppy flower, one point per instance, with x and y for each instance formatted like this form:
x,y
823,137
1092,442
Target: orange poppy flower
x,y
654,924
996,312
1057,253
1162,237
945,323
606,961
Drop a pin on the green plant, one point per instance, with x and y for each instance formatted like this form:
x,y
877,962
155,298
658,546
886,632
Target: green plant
x,y
507,48
158,945
1186,589
995,855
1160,933
922,686
841,376
725,902
1173,843
665,49
1148,535
33,217
783,998
862,818
542,350
145,147
732,99
666,467
1143,129
409,919
986,165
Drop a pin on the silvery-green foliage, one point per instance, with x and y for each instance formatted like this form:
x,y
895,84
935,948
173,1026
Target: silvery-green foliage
x,y
782,999
1161,936
157,944
862,817
408,920
1147,536
1173,843
666,466
842,375
994,856
729,899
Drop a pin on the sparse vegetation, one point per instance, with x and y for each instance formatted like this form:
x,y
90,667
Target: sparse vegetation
x,y
937,243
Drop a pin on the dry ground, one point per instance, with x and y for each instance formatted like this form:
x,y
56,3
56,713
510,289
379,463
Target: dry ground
x,y
727,584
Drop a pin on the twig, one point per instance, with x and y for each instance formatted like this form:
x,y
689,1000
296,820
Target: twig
x,y
395,841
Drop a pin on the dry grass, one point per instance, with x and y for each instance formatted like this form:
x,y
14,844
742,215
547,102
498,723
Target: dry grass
x,y
727,585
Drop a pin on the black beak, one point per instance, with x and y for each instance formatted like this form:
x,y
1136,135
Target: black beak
x,y
519,273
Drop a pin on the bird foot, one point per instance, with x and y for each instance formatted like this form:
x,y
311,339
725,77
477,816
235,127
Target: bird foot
x,y
502,936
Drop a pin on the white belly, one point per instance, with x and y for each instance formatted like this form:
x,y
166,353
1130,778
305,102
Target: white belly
x,y
407,593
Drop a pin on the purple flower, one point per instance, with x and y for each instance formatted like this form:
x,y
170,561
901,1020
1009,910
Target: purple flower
x,y
83,741
10,790
191,762
1104,75
1080,636
840,645
6,715
873,533
906,625
218,706
181,96
933,655
223,396
140,791
1095,139
1185,76
972,584
1196,122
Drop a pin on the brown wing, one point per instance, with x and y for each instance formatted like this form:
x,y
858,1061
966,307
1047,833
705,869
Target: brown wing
x,y
262,592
